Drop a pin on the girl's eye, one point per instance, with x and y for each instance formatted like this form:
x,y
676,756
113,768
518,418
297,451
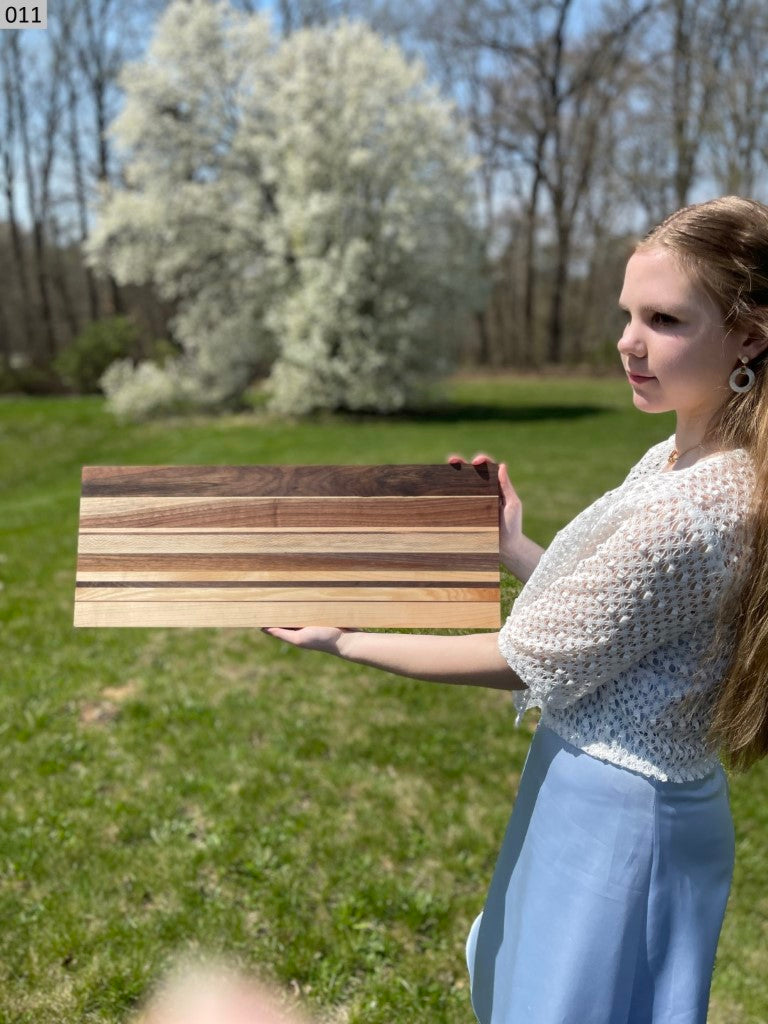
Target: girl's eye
x,y
664,319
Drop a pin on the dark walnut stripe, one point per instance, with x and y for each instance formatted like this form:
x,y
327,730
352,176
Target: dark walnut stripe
x,y
291,563
362,584
286,481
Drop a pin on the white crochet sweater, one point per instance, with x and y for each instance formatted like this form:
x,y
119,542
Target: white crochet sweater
x,y
609,630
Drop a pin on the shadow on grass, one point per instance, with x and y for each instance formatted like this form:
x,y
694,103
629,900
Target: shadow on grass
x,y
447,412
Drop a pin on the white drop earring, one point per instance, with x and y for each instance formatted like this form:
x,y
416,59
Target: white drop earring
x,y
742,369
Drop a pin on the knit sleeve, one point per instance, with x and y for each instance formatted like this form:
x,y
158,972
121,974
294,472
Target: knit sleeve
x,y
659,574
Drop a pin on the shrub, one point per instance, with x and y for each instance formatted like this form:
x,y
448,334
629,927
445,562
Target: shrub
x,y
99,344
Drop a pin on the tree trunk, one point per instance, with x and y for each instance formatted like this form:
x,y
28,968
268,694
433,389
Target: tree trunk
x,y
528,347
557,298
10,89
45,348
117,304
81,200
59,259
484,348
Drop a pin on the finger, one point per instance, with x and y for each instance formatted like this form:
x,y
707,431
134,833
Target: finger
x,y
455,458
505,482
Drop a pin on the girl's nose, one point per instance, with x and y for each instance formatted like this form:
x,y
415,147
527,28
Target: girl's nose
x,y
631,341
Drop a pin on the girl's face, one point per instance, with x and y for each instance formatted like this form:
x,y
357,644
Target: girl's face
x,y
676,336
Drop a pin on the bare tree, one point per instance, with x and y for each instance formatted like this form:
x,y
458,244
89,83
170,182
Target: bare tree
x,y
737,139
701,34
37,178
42,95
550,88
98,56
680,74
582,87
8,137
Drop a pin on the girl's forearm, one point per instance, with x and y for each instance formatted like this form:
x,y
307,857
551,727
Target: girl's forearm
x,y
470,660
524,559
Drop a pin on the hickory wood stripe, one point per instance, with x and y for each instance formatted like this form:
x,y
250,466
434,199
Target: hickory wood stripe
x,y
390,512
188,576
319,592
373,614
411,480
192,530
284,541
322,561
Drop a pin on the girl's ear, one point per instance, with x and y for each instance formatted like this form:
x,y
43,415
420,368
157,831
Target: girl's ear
x,y
754,345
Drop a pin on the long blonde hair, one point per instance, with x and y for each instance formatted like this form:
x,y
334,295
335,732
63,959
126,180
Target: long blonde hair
x,y
723,245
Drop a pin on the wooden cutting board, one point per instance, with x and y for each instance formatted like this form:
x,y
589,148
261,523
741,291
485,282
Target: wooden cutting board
x,y
378,546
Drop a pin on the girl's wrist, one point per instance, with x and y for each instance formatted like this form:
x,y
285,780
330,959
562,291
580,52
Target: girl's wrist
x,y
523,558
343,640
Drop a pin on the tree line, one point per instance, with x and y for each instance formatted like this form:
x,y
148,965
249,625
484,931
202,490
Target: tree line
x,y
590,121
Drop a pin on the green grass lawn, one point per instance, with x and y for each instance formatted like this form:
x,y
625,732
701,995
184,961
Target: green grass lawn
x,y
329,825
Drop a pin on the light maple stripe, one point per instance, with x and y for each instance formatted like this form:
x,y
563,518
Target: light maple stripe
x,y
124,531
412,542
265,575
372,614
239,593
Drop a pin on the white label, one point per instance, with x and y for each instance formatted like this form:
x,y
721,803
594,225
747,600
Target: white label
x,y
25,14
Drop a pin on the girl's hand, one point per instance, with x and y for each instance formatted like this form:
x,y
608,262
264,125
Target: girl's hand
x,y
510,506
312,638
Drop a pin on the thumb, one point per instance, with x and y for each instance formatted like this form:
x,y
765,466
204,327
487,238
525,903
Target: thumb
x,y
504,482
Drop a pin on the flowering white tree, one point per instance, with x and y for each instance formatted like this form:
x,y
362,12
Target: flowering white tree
x,y
308,202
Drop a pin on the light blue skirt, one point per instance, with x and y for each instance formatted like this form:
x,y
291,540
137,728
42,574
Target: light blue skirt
x,y
608,896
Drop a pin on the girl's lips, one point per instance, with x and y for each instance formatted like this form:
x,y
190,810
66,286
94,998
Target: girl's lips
x,y
638,380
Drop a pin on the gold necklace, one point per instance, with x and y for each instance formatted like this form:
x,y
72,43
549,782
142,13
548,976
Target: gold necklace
x,y
676,455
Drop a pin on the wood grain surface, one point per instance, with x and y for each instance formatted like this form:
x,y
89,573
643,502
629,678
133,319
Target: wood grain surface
x,y
378,546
